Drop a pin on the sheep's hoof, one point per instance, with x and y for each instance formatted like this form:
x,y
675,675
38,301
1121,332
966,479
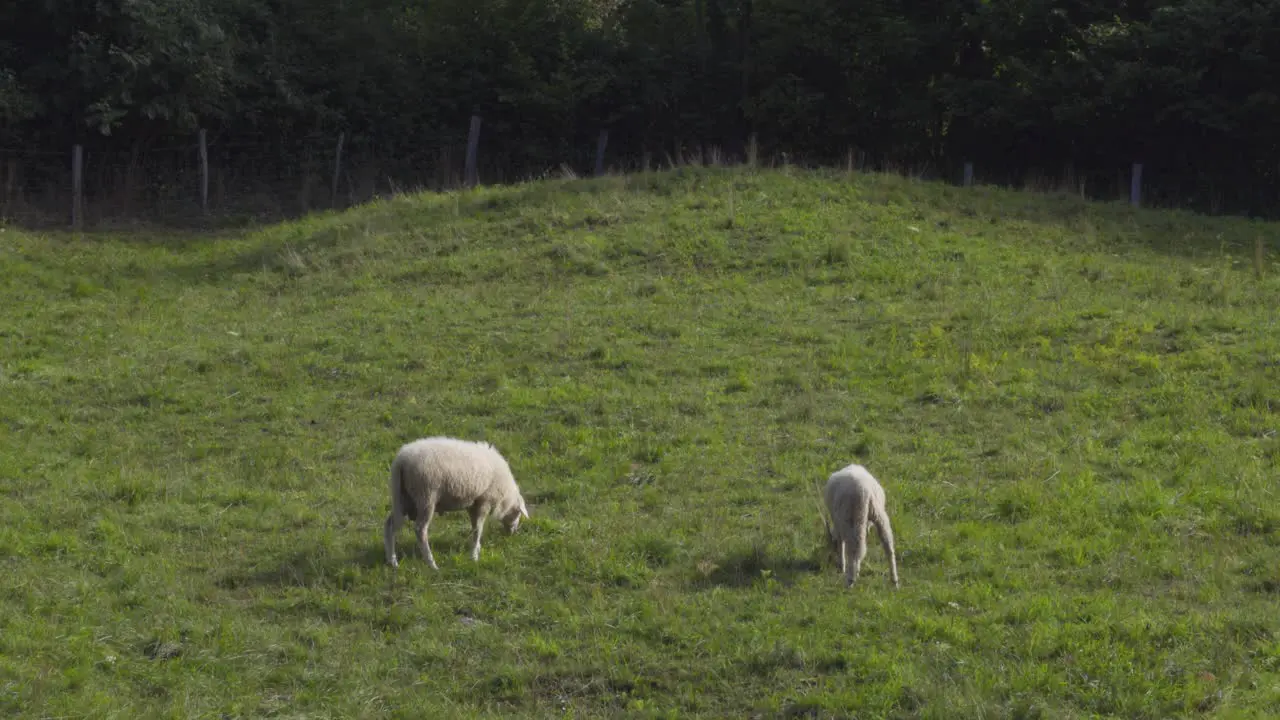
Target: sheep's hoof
x,y
393,563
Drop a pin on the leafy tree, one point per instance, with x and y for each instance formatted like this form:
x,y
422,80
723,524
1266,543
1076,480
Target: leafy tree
x,y
1180,84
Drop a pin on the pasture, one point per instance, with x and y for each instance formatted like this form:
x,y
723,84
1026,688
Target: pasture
x,y
1073,408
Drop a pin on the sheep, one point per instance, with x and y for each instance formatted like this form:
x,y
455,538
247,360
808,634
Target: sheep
x,y
440,474
852,496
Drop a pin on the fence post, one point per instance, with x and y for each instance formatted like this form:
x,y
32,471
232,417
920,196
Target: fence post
x,y
204,172
600,146
337,169
10,180
1135,185
471,177
77,186
968,174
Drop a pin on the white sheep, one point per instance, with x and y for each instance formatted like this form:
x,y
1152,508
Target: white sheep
x,y
440,474
852,496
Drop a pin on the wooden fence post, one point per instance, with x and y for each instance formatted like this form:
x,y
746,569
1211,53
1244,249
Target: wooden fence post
x,y
204,172
968,174
337,169
471,176
10,182
77,187
1135,185
753,151
601,143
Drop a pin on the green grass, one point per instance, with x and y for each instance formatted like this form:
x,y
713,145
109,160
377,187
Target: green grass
x,y
1073,407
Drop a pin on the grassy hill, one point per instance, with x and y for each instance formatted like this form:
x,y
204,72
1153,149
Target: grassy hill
x,y
1074,409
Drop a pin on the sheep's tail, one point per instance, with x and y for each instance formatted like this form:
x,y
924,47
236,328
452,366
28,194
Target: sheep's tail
x,y
394,484
864,510
401,501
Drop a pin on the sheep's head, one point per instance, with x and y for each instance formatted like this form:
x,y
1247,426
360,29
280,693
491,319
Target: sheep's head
x,y
511,518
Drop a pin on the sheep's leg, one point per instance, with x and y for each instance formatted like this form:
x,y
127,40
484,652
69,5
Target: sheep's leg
x,y
477,527
394,521
859,544
886,539
859,552
424,544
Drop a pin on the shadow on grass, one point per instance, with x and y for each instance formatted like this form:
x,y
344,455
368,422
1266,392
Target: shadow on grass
x,y
747,566
287,257
338,571
306,569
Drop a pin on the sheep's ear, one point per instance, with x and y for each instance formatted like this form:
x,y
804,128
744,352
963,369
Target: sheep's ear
x,y
524,511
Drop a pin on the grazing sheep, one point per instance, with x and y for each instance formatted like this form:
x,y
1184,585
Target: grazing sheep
x,y
440,474
852,496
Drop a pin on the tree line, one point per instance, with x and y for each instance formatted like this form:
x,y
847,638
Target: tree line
x,y
1189,87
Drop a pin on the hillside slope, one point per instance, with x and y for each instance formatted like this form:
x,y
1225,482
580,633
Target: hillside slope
x,y
1074,408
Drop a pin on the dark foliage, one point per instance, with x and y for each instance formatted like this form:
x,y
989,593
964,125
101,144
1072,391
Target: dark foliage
x,y
1073,89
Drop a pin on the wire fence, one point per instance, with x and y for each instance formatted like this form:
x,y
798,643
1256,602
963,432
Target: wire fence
x,y
240,181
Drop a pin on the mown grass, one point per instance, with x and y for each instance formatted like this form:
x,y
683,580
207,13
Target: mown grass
x,y
1074,408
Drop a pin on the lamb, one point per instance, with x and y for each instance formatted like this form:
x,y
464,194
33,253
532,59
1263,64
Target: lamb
x,y
852,496
440,474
